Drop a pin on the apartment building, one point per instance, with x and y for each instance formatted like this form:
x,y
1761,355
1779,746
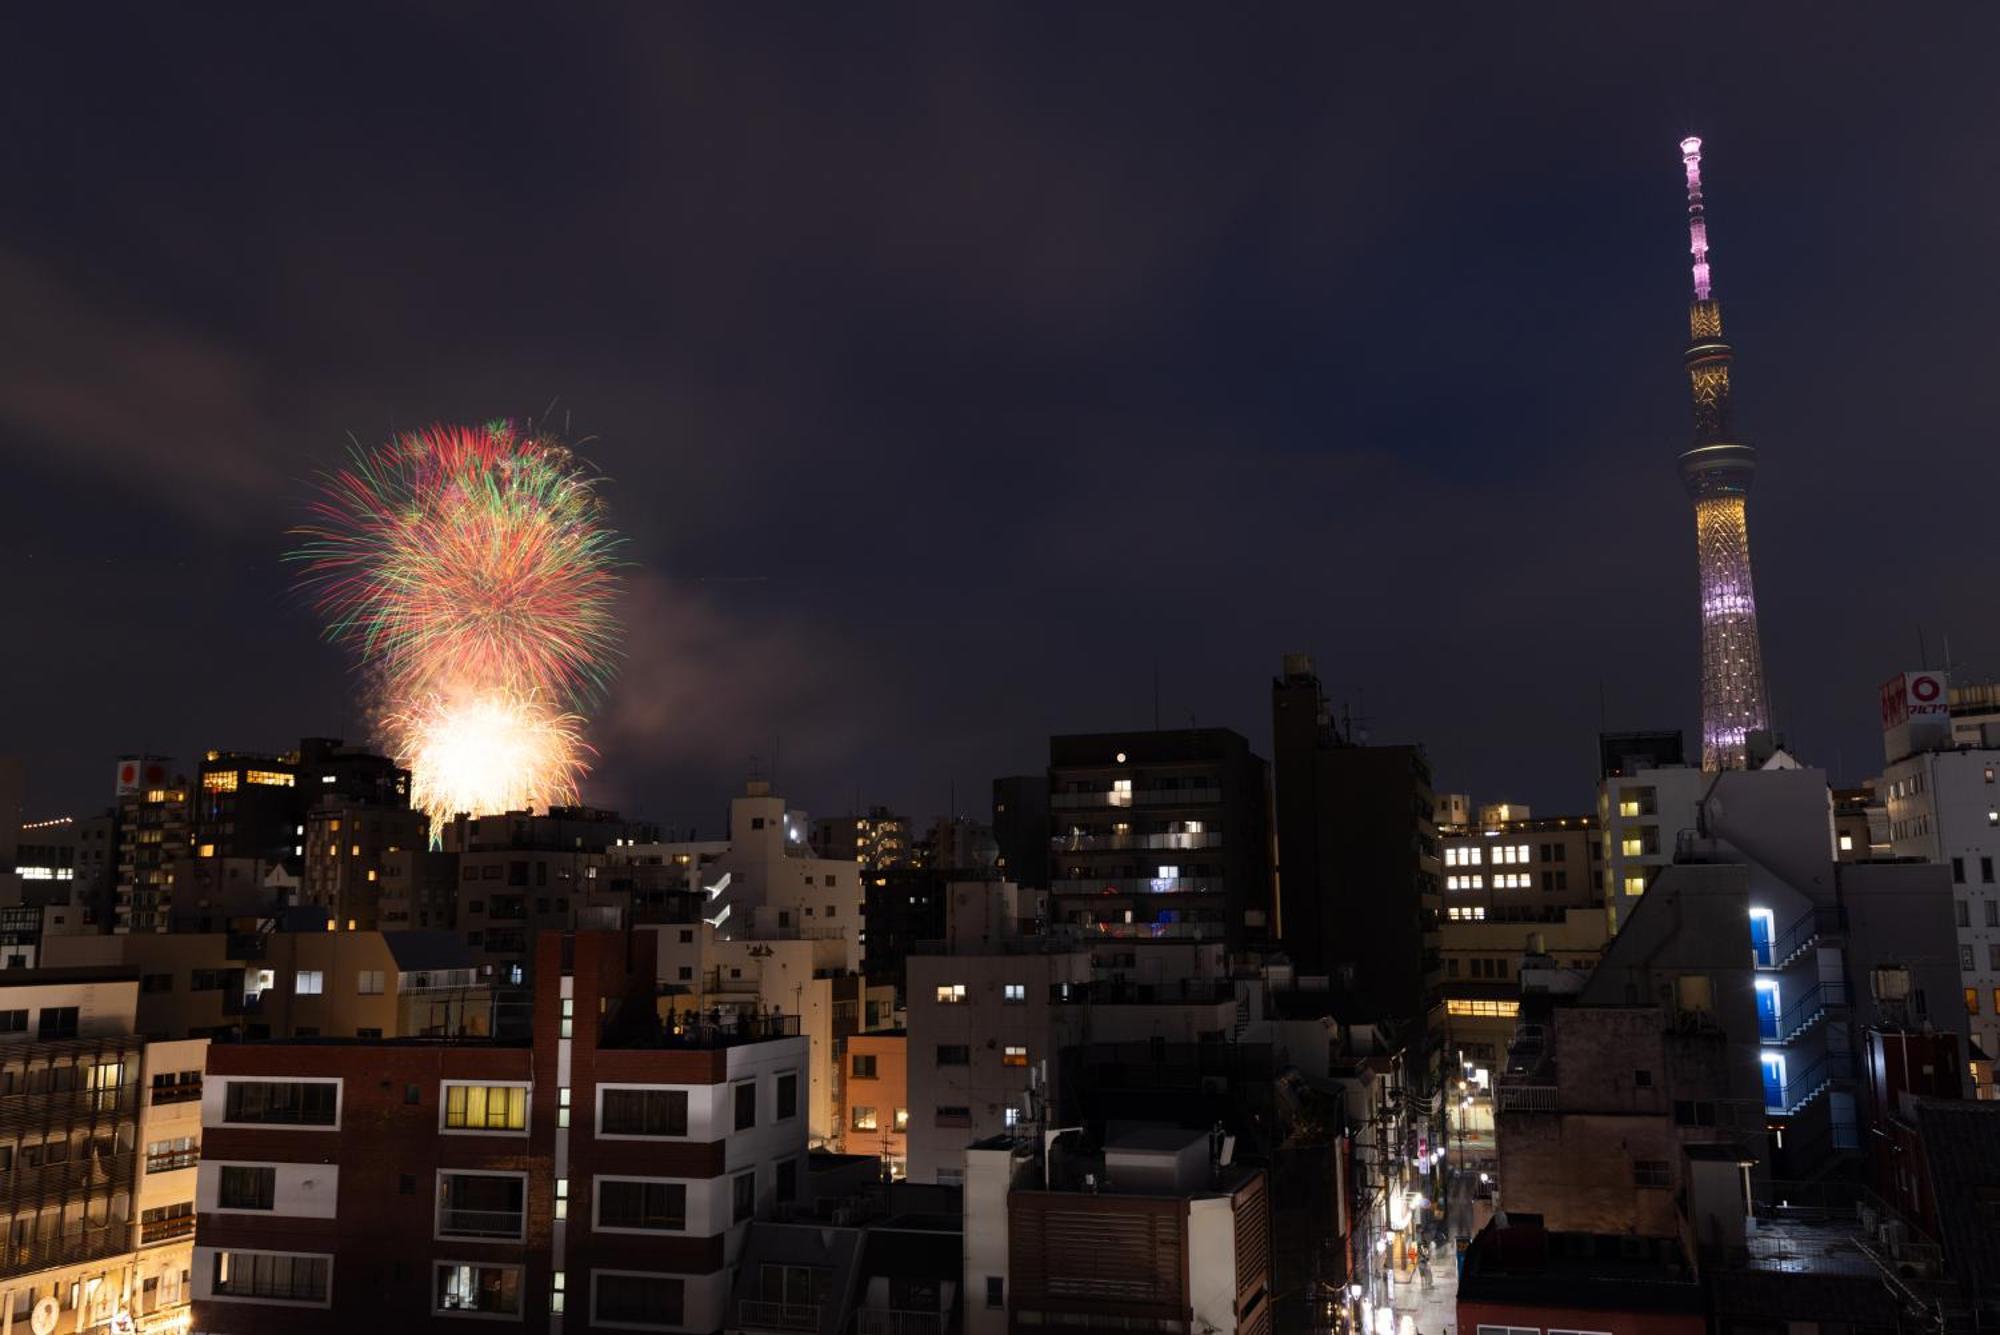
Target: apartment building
x,y
1154,1226
765,878
97,1231
1166,829
346,847
1941,794
259,985
599,1175
876,1116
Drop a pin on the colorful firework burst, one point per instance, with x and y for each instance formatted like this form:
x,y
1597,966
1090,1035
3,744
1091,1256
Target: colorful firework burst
x,y
470,571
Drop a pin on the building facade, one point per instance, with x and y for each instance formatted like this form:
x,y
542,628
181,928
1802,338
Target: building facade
x,y
602,1174
1167,830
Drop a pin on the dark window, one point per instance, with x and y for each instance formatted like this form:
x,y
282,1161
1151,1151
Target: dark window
x,y
756,822
264,1275
645,1112
864,1065
406,1183
1986,870
746,1105
56,1022
996,1291
643,1300
280,1103
481,1205
954,1115
490,872
13,1022
1642,1079
954,1054
157,982
787,1179
1451,968
649,1205
1650,1173
1958,871
745,1202
788,1095
246,1188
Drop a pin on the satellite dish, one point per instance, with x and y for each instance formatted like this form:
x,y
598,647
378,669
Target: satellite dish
x,y
47,1313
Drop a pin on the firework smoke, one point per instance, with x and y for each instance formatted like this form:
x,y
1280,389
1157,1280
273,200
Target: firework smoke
x,y
468,568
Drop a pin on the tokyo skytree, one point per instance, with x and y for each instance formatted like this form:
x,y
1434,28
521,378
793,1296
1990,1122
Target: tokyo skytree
x,y
1717,470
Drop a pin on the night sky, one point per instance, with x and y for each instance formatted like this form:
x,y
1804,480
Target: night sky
x,y
957,372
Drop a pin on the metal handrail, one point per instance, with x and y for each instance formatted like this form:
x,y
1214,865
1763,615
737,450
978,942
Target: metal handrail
x,y
756,1314
457,1223
1823,995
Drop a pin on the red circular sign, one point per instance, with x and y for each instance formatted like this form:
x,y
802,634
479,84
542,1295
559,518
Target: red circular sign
x,y
1925,688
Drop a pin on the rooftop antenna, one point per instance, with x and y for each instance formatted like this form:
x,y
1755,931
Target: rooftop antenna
x,y
1697,218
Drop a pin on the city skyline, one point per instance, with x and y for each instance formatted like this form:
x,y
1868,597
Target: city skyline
x,y
965,475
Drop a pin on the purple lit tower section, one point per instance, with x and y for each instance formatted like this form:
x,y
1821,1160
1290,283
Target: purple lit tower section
x,y
1717,470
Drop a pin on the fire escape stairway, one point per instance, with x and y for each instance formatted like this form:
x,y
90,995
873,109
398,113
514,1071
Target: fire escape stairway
x,y
1811,1008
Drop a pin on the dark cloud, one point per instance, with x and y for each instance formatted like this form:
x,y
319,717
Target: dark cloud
x,y
959,372
124,398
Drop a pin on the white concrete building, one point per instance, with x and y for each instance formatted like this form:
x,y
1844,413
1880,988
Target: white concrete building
x,y
764,880
1641,815
1941,788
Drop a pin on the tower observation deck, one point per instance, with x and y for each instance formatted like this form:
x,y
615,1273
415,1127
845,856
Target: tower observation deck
x,y
1717,469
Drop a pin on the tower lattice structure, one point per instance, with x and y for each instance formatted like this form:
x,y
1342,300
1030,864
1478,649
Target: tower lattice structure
x,y
1717,470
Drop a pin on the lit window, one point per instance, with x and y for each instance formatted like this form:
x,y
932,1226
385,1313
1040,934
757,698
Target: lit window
x,y
205,851
1014,992
863,1119
309,983
1635,883
1473,856
368,982
951,994
1500,1010
268,778
485,1108
1012,1117
1847,843
1013,1056
223,782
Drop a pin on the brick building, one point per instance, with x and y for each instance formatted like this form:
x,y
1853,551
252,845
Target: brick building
x,y
604,1170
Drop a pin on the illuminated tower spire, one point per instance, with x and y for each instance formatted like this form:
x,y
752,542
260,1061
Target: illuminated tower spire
x,y
1717,470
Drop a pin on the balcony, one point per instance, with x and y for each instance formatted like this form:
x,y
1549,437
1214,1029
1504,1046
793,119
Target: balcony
x,y
1140,885
754,1314
177,1092
1525,1098
884,1321
52,1181
170,1163
166,1230
24,1256
1143,797
1164,840
503,1225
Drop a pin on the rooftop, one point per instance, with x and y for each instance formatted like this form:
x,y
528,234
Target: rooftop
x,y
1515,1260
